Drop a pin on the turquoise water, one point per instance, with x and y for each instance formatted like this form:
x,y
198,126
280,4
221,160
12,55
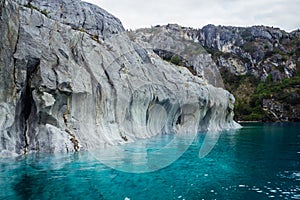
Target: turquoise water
x,y
260,161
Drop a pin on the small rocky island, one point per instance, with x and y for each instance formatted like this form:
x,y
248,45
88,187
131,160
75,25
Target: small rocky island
x,y
73,79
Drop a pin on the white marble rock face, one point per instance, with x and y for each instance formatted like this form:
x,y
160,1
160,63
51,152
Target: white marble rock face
x,y
73,80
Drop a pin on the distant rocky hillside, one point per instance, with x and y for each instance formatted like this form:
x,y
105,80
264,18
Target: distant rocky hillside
x,y
260,65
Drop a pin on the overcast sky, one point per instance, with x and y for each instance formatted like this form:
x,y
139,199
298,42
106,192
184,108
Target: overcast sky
x,y
284,14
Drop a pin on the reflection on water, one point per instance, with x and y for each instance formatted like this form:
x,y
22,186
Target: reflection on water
x,y
260,161
145,155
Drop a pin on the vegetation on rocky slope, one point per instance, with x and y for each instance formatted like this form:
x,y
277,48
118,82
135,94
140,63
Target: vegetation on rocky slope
x,y
260,65
268,86
258,100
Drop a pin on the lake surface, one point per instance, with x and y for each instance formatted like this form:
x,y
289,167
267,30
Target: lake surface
x,y
260,161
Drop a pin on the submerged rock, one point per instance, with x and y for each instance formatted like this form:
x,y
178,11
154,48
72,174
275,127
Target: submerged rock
x,y
68,86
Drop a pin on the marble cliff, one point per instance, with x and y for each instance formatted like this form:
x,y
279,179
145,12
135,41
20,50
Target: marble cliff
x,y
260,65
72,79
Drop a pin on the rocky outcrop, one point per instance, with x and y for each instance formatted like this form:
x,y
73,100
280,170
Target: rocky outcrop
x,y
70,83
172,41
281,111
79,15
245,57
270,55
256,50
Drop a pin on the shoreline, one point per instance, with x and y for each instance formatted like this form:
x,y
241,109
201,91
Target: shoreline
x,y
248,121
266,122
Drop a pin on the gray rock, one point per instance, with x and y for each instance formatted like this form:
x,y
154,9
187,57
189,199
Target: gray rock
x,y
234,65
282,111
240,50
64,90
172,40
80,15
260,31
276,75
258,51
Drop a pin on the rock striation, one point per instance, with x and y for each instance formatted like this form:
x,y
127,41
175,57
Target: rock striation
x,y
256,50
71,80
258,64
172,41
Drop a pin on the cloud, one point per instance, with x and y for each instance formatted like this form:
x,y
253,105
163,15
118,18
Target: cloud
x,y
197,13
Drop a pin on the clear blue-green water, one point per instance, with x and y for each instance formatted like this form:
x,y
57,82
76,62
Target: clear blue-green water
x,y
260,161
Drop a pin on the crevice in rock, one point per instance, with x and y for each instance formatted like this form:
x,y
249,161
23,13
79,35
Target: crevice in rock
x,y
55,72
27,99
15,50
75,53
114,91
204,123
102,28
61,9
178,121
73,139
2,6
124,137
67,149
84,18
98,98
64,54
65,116
107,76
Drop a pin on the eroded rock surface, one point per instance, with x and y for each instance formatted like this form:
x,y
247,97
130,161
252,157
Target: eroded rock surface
x,y
173,41
70,83
258,64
